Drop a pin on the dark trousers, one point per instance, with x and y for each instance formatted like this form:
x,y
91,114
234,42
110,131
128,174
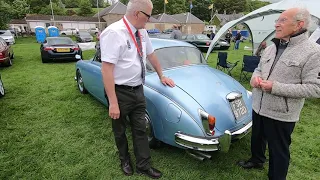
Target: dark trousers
x,y
132,104
278,136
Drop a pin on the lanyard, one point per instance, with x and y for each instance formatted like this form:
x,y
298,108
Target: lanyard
x,y
133,38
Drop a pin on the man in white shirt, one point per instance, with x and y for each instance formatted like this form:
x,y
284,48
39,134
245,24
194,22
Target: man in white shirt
x,y
125,46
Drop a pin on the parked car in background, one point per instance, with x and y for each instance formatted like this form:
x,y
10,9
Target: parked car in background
x,y
2,91
84,36
59,49
205,111
154,31
93,31
203,42
69,31
7,36
6,53
167,31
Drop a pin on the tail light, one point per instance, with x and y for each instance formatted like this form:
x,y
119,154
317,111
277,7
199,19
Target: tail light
x,y
48,49
208,122
76,48
1,55
208,43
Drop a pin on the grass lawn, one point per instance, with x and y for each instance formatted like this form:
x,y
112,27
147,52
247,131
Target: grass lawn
x,y
51,131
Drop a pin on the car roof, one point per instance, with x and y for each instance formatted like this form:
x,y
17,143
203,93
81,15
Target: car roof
x,y
58,38
162,43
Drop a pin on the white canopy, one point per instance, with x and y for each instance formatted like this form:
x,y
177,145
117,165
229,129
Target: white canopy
x,y
260,22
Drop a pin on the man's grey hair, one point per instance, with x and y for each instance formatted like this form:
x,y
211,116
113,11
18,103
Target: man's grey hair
x,y
135,5
303,15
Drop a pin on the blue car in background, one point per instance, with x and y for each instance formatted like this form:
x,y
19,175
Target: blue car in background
x,y
205,111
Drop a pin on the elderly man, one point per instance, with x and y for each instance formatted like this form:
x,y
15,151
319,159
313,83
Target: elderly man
x,y
125,46
176,33
287,74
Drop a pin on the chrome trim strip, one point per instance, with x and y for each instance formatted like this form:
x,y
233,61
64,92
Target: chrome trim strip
x,y
242,130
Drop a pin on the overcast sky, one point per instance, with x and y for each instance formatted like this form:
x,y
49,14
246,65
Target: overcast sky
x,y
272,0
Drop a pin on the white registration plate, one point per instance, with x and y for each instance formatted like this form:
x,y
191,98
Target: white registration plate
x,y
239,108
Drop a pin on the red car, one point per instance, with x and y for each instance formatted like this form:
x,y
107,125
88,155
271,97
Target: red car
x,y
6,53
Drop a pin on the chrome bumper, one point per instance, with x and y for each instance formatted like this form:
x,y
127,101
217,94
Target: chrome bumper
x,y
221,143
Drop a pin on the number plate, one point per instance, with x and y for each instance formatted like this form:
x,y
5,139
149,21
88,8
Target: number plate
x,y
239,108
63,49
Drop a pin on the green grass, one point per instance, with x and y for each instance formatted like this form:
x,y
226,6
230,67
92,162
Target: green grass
x,y
51,131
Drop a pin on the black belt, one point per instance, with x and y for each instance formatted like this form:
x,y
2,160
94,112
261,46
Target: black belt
x,y
128,87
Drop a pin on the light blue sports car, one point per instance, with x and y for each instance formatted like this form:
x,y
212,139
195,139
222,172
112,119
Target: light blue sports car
x,y
205,111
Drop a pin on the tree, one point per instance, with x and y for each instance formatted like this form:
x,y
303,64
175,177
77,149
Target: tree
x,y
230,6
4,14
94,3
124,1
71,3
85,8
253,5
173,6
57,10
19,9
200,9
70,12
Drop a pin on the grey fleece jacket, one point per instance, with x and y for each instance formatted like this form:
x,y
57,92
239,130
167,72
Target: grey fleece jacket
x,y
295,76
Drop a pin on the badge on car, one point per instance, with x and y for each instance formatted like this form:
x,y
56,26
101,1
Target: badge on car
x,y
239,108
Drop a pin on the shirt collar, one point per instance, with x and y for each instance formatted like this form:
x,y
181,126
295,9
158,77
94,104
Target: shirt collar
x,y
133,29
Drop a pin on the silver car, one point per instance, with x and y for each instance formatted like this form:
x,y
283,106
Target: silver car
x,y
7,36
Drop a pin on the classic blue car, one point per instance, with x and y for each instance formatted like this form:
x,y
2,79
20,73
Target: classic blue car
x,y
205,111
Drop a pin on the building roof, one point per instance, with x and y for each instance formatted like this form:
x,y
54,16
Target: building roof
x,y
165,18
32,17
224,18
18,21
187,18
153,20
117,8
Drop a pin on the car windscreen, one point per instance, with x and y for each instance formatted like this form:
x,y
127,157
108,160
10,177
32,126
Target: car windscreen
x,y
202,37
5,33
84,34
57,41
171,57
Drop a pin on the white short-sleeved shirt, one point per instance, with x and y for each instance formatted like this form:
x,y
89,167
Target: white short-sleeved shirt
x,y
118,48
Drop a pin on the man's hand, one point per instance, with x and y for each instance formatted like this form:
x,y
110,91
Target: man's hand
x,y
255,83
167,81
114,111
266,85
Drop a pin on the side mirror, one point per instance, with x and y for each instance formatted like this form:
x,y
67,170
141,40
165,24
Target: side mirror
x,y
78,57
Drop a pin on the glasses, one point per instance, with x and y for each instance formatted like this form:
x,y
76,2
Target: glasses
x,y
281,21
148,16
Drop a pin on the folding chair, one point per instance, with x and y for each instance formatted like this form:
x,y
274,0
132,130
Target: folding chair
x,y
223,64
250,63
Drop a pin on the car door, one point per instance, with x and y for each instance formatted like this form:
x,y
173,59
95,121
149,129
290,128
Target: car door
x,y
5,52
94,80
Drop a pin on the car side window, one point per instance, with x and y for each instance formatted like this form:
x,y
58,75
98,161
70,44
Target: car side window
x,y
190,37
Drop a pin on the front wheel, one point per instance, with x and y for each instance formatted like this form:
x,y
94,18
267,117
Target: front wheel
x,y
80,83
153,142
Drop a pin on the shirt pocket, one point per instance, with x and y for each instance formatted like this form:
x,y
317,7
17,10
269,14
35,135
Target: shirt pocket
x,y
292,71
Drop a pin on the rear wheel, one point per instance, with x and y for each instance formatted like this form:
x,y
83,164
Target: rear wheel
x,y
153,142
80,83
9,62
1,88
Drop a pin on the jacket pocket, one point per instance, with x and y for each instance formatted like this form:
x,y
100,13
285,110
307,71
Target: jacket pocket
x,y
277,103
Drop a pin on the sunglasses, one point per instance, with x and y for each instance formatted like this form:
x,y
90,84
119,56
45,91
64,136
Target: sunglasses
x,y
148,16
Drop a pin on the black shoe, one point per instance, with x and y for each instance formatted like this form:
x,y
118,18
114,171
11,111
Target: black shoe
x,y
151,172
250,165
126,168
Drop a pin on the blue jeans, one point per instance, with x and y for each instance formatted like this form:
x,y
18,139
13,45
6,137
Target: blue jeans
x,y
237,44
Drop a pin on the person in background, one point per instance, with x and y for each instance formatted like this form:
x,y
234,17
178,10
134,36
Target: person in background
x,y
125,48
288,72
228,36
261,48
212,35
237,40
176,33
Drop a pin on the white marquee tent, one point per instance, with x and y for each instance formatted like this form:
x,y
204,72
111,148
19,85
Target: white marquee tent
x,y
261,21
